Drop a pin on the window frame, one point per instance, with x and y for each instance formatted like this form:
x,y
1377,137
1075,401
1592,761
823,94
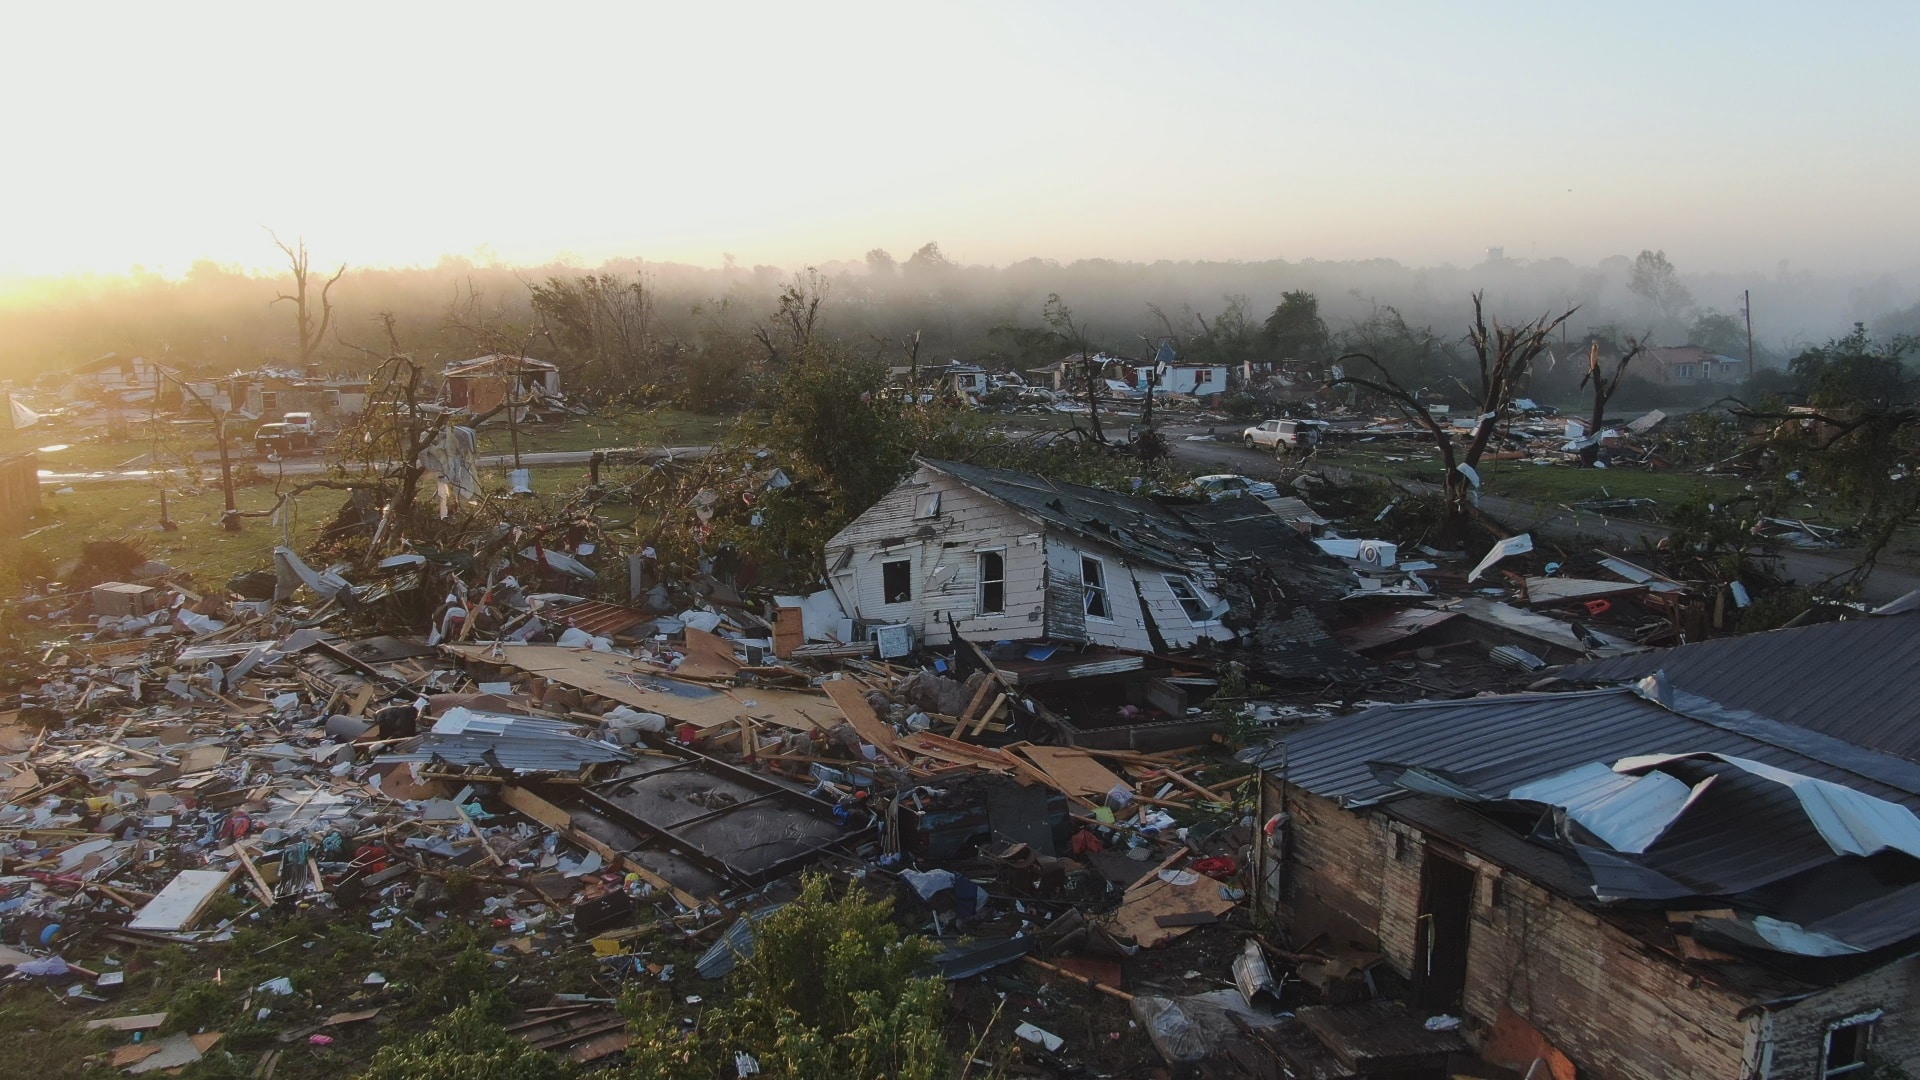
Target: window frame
x,y
1193,593
1098,587
886,594
981,581
1863,1029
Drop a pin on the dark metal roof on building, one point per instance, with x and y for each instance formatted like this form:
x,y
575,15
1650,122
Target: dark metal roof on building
x,y
1500,743
1854,680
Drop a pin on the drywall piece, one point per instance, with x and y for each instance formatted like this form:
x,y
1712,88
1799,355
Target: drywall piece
x,y
178,906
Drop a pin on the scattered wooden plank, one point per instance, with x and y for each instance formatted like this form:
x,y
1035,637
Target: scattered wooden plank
x,y
139,1022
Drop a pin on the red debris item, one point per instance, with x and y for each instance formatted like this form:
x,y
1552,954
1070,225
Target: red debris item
x,y
687,734
235,826
1599,607
371,857
1218,867
1085,843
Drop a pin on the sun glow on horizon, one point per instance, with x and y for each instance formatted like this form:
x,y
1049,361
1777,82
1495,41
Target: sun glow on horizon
x,y
394,135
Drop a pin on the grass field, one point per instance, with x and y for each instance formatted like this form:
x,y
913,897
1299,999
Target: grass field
x,y
655,427
131,510
1552,484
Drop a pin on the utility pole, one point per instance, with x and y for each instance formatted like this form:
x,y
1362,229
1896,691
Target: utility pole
x,y
1746,308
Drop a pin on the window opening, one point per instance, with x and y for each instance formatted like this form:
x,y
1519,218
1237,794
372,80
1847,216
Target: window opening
x,y
1190,602
993,583
1093,581
896,581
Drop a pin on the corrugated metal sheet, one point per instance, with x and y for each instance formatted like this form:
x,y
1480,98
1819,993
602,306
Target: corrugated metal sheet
x,y
1500,743
1857,680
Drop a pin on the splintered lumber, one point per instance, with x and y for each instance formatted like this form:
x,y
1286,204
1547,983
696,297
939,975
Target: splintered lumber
x,y
987,717
941,748
852,700
987,687
178,906
1073,771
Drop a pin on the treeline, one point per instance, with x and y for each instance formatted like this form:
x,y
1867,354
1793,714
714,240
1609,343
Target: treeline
x,y
635,328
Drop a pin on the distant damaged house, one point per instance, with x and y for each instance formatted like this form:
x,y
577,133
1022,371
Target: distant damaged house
x,y
116,379
486,383
999,555
1690,365
1633,882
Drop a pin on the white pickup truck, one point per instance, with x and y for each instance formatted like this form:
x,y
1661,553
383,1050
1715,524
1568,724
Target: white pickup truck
x,y
1282,436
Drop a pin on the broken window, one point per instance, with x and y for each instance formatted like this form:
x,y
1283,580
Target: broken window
x,y
896,581
1190,602
993,583
1204,375
927,505
1847,1047
269,400
1093,581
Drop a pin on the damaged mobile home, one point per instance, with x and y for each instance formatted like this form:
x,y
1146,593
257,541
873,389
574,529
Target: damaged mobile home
x,y
1735,882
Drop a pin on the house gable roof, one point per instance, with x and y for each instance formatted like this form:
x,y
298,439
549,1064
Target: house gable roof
x,y
1853,680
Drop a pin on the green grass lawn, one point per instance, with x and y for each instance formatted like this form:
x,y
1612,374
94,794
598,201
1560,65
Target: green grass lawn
x,y
1522,479
131,510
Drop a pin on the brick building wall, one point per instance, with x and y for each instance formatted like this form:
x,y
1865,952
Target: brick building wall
x,y
1799,1032
1618,1008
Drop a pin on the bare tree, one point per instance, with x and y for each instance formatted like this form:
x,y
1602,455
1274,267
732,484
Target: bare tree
x,y
1603,390
1060,317
795,319
230,517
1505,354
311,335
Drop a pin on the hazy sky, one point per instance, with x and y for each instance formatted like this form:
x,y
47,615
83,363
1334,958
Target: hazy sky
x,y
1731,134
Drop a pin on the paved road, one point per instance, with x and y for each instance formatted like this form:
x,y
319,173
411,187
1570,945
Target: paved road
x,y
1888,582
315,465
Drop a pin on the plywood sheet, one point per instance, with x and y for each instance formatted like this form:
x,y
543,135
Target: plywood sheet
x,y
178,906
630,682
709,656
1074,771
851,697
1134,919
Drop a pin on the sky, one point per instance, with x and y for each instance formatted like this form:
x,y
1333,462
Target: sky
x,y
1733,136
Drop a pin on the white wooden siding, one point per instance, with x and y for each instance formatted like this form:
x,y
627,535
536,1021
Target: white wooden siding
x,y
1043,593
1176,629
1125,628
944,552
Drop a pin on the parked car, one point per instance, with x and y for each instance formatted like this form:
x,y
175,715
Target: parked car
x,y
280,439
300,421
1279,435
1228,485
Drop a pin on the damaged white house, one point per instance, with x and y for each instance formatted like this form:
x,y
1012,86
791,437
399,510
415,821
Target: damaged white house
x,y
1002,555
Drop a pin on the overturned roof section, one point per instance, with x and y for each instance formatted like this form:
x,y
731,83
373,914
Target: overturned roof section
x,y
493,363
1854,680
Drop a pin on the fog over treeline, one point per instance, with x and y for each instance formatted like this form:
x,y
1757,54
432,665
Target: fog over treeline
x,y
216,318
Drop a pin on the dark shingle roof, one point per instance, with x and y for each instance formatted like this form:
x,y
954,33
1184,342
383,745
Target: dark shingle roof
x,y
1854,680
1136,526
